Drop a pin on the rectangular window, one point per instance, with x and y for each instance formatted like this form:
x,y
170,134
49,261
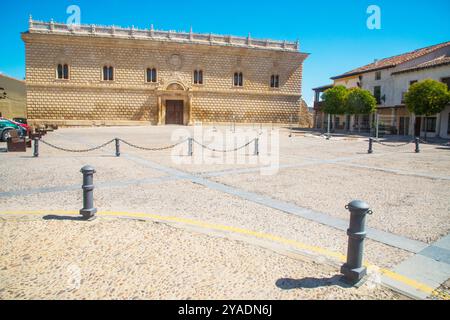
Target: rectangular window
x,y
60,71
151,75
377,94
238,79
198,77
111,73
378,75
105,73
403,96
275,81
431,124
412,82
66,72
108,73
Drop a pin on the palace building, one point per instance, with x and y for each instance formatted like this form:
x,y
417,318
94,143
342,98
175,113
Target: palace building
x,y
93,75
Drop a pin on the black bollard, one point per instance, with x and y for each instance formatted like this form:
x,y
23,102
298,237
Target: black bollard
x,y
36,147
417,145
354,270
256,153
88,212
370,146
190,147
117,147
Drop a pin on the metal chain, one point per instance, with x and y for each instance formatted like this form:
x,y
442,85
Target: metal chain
x,y
224,151
152,149
392,145
76,150
439,144
423,141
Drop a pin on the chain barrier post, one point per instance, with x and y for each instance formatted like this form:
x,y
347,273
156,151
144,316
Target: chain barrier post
x,y
88,212
36,147
377,117
190,147
291,126
328,127
353,269
117,147
417,141
370,146
256,147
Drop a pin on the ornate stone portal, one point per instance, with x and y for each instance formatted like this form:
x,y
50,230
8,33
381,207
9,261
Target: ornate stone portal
x,y
175,90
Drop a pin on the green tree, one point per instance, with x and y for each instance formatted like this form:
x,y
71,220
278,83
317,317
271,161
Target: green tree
x,y
427,97
360,101
334,100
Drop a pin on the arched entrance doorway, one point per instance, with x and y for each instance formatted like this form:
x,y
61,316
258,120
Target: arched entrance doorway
x,y
174,104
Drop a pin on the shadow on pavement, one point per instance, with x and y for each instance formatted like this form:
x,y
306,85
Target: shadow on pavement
x,y
64,218
312,283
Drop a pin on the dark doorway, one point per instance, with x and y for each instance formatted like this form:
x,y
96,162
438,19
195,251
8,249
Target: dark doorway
x,y
418,126
174,112
404,126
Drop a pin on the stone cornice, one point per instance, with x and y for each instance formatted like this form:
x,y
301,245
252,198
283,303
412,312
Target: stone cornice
x,y
154,89
52,28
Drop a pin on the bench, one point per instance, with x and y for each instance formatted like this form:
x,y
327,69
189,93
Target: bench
x,y
15,143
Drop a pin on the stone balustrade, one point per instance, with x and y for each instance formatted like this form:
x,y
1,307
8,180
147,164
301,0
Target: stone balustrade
x,y
183,37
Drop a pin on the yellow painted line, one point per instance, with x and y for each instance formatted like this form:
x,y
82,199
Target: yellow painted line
x,y
388,273
409,282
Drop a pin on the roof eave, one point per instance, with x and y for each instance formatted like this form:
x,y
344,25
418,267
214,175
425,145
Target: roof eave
x,y
323,87
346,75
421,68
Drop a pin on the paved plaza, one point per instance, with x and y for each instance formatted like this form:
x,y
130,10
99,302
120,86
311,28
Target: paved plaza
x,y
168,228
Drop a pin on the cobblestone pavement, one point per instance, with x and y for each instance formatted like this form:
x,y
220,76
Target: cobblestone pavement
x,y
407,192
124,259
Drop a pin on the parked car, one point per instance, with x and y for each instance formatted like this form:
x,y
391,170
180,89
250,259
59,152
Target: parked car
x,y
6,126
20,120
23,125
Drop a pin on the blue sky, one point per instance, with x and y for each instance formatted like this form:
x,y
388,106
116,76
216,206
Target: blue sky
x,y
334,32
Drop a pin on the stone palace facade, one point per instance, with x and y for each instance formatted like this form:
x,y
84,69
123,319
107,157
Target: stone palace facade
x,y
92,75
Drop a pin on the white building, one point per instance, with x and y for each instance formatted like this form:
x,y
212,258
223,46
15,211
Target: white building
x,y
437,69
389,79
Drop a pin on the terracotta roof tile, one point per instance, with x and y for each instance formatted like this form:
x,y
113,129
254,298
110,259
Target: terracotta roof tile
x,y
444,60
393,61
